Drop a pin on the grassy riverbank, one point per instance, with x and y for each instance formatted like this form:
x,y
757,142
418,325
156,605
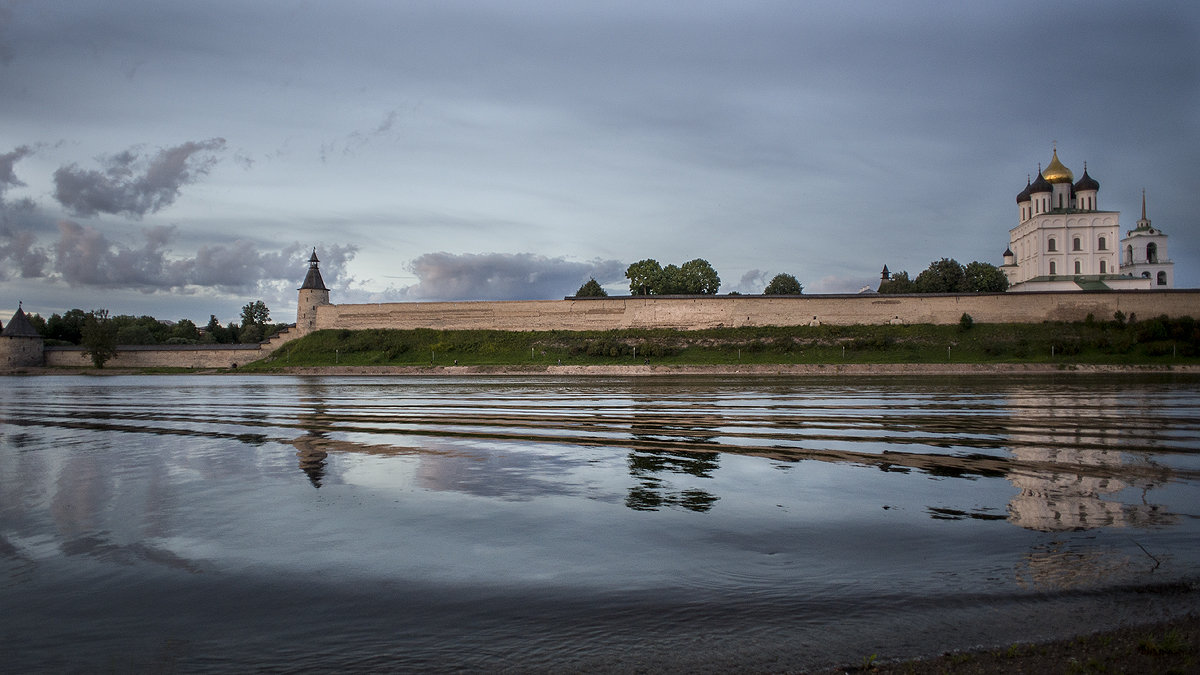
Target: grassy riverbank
x,y
1156,342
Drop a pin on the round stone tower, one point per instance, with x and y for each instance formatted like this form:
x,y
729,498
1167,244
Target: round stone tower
x,y
20,343
313,294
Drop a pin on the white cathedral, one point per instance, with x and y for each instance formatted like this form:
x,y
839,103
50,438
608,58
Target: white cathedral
x,y
1065,242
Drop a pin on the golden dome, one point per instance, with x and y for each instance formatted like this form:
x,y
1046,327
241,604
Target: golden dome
x,y
1055,172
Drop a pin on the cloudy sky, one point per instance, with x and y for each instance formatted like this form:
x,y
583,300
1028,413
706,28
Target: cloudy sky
x,y
181,159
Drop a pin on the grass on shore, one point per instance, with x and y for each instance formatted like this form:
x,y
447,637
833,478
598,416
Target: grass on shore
x,y
1159,341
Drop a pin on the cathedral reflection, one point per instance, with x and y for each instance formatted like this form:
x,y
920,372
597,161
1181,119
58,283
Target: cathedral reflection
x,y
1087,468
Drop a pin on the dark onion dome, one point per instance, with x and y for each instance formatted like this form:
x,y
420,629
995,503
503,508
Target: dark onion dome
x,y
1040,185
1008,253
19,326
1023,195
1086,182
313,279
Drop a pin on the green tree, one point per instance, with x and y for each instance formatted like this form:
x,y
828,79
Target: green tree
x,y
942,276
67,327
216,332
898,283
38,323
644,276
697,277
185,330
670,282
251,332
784,284
99,338
981,277
139,330
591,289
255,312
134,334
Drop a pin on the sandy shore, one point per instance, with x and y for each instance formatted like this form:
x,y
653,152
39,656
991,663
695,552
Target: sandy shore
x,y
1004,369
1166,647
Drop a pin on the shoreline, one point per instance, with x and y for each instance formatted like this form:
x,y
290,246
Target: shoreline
x,y
1163,646
633,370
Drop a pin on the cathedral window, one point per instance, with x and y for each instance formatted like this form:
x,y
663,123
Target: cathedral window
x,y
1078,267
1152,252
1103,244
1051,246
1076,245
1162,278
1129,255
1103,267
1053,268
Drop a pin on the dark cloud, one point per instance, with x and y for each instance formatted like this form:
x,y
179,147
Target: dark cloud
x,y
83,256
504,276
133,183
8,177
18,249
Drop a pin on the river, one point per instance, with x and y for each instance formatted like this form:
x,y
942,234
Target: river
x,y
543,524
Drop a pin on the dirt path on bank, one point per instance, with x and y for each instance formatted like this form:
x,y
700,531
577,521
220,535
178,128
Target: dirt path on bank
x,y
802,369
1003,369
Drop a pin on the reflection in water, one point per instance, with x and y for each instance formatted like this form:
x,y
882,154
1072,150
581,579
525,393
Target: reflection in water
x,y
1058,566
308,448
652,470
1090,444
519,522
312,458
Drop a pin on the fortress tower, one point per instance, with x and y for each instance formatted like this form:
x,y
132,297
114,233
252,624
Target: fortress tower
x,y
313,294
20,343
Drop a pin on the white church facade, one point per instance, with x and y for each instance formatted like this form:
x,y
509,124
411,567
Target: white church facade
x,y
1065,242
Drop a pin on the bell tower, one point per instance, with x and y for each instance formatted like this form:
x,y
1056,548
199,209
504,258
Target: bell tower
x,y
313,294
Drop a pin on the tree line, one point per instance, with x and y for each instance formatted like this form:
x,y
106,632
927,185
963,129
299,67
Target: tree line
x,y
99,332
697,277
948,276
694,277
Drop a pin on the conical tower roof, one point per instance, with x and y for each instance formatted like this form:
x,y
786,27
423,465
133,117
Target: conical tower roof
x,y
313,281
19,326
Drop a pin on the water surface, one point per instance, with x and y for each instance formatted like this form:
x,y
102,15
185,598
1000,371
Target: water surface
x,y
551,524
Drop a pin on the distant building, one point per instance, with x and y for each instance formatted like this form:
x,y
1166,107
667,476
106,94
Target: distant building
x,y
1065,242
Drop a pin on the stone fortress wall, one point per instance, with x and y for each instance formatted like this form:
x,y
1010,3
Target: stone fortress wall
x,y
699,312
172,356
674,312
